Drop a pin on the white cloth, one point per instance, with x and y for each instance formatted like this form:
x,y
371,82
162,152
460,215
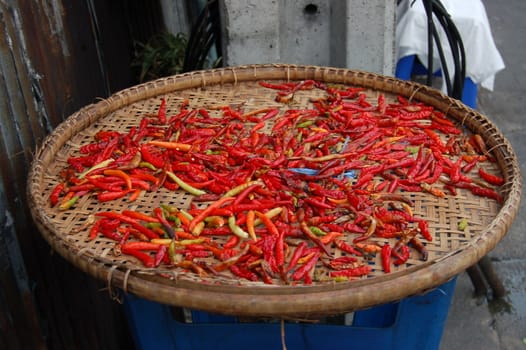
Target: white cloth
x,y
483,60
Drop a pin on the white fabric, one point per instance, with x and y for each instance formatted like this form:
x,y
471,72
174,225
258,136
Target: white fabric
x,y
483,60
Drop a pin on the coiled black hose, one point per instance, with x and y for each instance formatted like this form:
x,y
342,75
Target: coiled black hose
x,y
454,84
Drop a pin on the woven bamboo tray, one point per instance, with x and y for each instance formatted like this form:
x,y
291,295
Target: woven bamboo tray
x,y
450,252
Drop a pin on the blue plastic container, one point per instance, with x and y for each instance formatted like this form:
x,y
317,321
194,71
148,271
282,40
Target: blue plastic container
x,y
414,323
408,66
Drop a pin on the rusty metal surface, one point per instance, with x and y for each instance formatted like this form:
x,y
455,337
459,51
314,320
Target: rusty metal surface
x,y
56,56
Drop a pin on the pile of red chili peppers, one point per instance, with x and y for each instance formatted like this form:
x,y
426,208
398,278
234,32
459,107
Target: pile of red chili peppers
x,y
289,192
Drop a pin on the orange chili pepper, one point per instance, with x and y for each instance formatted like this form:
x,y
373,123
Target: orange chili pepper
x,y
250,218
171,145
330,236
199,218
121,174
273,230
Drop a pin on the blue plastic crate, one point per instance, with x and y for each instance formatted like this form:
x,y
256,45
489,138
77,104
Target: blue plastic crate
x,y
414,323
409,65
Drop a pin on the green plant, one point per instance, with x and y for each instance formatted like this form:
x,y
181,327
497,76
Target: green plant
x,y
162,55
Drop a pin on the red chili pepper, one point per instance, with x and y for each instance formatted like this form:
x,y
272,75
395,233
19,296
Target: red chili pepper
x,y
244,273
160,255
148,156
486,192
274,86
161,113
424,230
318,203
454,173
280,250
267,246
82,187
347,248
92,148
436,174
145,258
110,233
393,185
241,196
386,257
304,269
490,178
231,242
364,179
470,165
451,189
111,195
134,223
402,256
95,230
108,150
352,272
55,194
298,252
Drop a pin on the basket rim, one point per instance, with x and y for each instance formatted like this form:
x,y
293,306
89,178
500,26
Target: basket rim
x,y
283,301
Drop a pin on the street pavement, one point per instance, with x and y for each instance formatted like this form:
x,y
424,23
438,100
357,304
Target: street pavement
x,y
476,323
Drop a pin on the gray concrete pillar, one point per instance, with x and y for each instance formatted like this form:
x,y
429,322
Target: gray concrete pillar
x,y
356,34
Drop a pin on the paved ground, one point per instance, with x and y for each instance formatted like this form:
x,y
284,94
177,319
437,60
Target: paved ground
x,y
479,323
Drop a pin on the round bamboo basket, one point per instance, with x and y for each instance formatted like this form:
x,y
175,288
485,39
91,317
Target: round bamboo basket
x,y
450,252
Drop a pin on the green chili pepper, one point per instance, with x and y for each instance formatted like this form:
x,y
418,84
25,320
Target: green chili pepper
x,y
102,164
184,185
305,124
269,214
463,224
238,231
69,203
187,214
317,231
412,149
147,165
174,219
169,209
236,190
174,257
151,225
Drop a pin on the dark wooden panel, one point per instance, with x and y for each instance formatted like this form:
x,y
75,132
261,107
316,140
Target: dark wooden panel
x,y
56,56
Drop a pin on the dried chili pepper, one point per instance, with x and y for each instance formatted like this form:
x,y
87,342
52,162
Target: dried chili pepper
x,y
352,272
486,192
55,194
238,231
490,178
133,222
402,255
244,169
304,269
386,257
311,236
146,259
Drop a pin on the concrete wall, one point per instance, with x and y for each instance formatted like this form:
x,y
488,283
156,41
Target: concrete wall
x,y
357,34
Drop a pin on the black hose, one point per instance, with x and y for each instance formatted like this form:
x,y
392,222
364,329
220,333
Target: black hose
x,y
454,85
